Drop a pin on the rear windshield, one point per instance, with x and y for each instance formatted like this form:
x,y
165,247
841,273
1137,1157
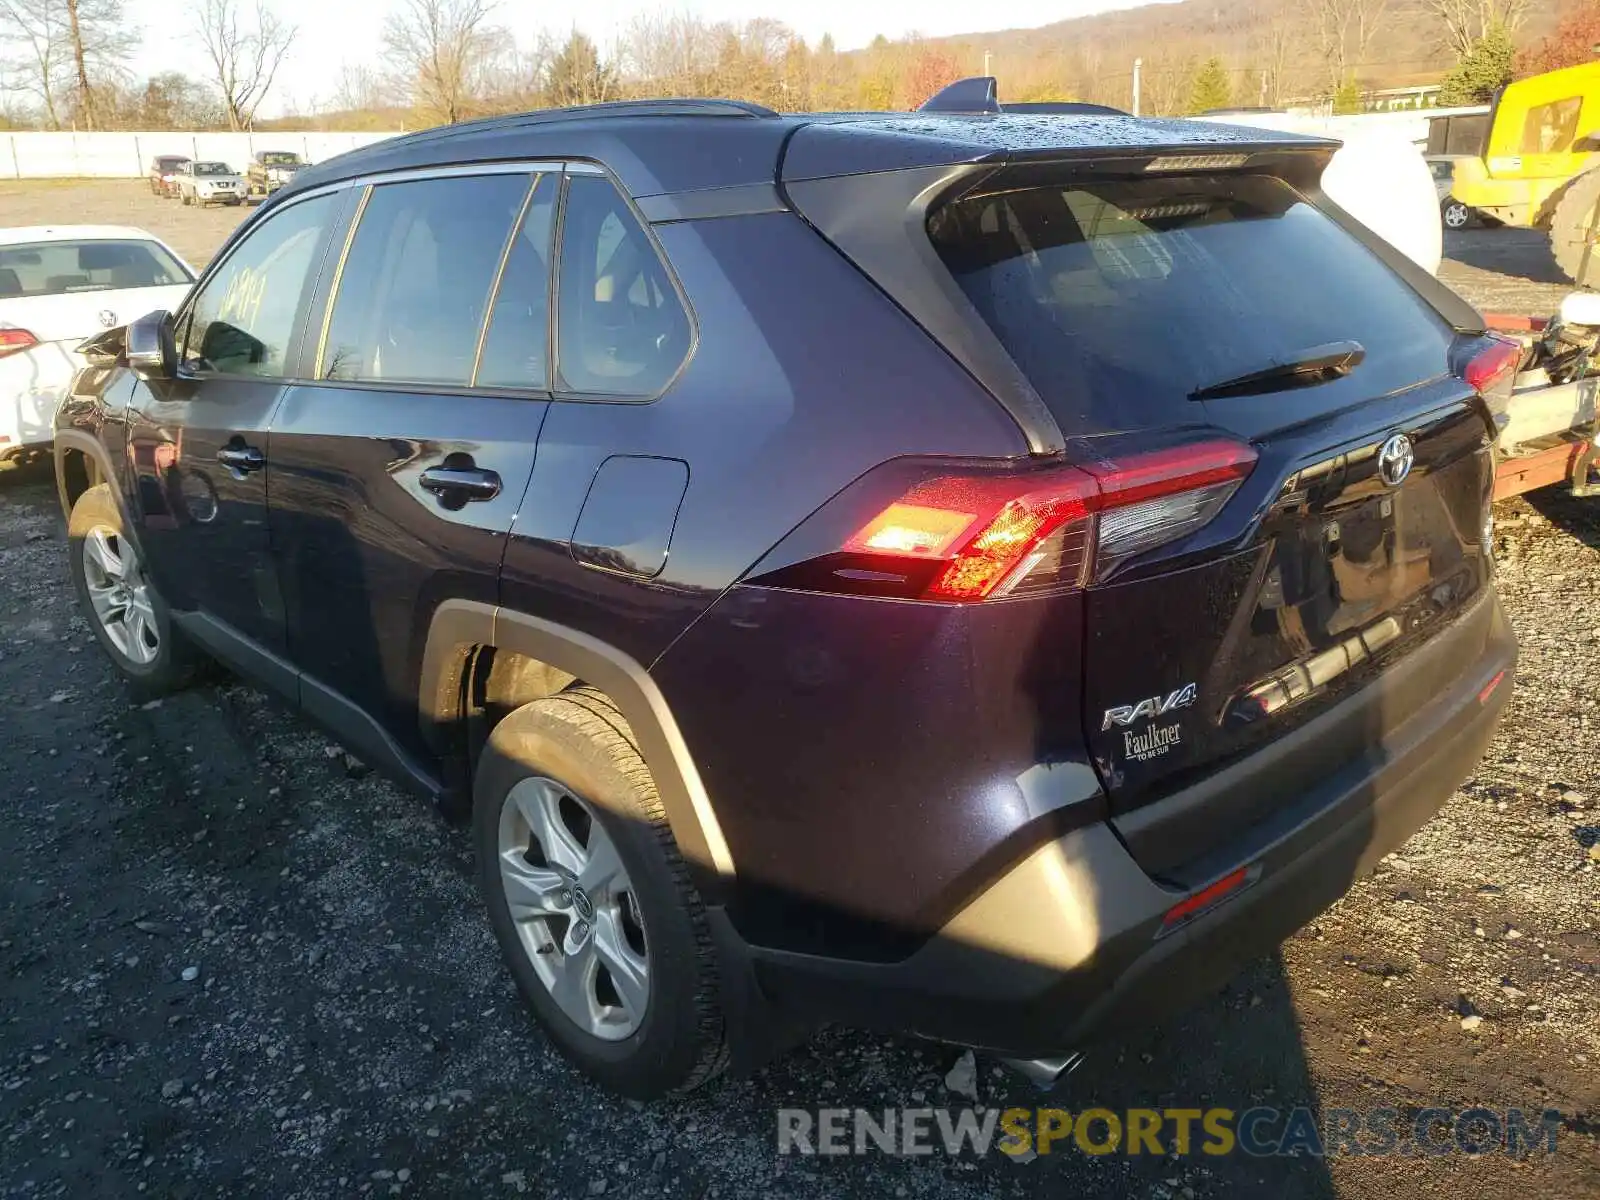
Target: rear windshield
x,y
1120,298
55,268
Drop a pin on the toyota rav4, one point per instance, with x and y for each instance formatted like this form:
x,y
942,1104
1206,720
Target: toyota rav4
x,y
975,573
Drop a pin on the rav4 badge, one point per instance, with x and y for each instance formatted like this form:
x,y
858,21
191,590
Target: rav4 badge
x,y
1155,706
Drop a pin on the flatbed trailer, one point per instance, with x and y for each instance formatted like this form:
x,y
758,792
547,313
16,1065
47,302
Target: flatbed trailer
x,y
1550,433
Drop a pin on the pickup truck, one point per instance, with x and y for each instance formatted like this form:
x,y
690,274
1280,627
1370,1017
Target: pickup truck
x,y
269,170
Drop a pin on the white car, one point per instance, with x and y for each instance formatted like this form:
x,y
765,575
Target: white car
x,y
206,182
59,285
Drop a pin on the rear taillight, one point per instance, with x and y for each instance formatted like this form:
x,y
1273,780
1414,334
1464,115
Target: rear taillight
x,y
982,535
13,340
1492,370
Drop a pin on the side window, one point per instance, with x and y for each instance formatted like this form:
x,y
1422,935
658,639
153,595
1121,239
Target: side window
x,y
415,286
1550,128
243,317
516,345
621,329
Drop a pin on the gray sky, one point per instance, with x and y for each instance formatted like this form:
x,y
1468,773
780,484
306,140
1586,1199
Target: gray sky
x,y
337,31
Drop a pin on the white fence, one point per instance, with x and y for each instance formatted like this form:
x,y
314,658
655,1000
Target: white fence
x,y
128,155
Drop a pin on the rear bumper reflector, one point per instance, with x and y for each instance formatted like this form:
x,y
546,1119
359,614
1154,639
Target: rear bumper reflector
x,y
1488,688
1207,898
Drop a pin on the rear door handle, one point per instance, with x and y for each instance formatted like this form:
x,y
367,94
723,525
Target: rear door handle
x,y
241,459
461,483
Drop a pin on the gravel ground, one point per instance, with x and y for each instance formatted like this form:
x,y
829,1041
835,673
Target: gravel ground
x,y
231,965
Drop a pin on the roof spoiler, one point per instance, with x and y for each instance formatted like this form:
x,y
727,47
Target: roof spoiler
x,y
980,94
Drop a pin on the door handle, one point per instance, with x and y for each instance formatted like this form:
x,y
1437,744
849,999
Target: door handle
x,y
241,459
461,483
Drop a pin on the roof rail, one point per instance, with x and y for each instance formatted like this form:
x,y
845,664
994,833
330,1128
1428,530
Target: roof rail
x,y
582,112
976,95
1078,108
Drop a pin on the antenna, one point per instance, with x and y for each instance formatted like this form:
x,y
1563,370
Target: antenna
x,y
976,95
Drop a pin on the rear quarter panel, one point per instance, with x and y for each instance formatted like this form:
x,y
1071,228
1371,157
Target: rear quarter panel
x,y
803,377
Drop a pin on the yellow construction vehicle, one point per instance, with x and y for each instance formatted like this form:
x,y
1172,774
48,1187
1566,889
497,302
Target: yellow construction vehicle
x,y
1538,167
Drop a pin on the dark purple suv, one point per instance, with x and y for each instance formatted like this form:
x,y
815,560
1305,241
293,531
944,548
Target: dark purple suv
x,y
981,574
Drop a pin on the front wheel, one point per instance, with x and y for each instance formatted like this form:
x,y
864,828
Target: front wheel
x,y
1456,215
600,925
129,618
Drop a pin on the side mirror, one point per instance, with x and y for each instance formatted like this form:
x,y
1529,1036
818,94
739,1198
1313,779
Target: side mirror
x,y
150,349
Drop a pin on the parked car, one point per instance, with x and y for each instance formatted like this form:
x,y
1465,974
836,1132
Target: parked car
x,y
270,170
59,285
941,572
206,183
1452,212
164,171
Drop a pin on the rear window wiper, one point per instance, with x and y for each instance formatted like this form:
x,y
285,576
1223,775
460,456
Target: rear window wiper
x,y
1318,364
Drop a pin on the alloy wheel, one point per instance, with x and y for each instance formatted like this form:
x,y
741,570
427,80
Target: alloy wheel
x,y
574,908
1456,215
120,596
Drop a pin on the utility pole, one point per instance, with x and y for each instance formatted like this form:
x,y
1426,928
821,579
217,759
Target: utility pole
x,y
1138,65
985,62
1263,89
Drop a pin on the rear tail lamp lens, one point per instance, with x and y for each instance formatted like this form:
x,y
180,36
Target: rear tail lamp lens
x,y
967,537
1492,371
13,340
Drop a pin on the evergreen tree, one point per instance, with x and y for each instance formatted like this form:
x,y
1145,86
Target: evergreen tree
x,y
1347,99
1210,88
1482,72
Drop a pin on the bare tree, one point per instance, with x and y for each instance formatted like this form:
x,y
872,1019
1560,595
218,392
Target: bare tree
x,y
1343,32
246,48
61,51
441,50
1464,22
37,29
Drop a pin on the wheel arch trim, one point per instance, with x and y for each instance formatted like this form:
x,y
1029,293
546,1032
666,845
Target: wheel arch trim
x,y
460,624
76,441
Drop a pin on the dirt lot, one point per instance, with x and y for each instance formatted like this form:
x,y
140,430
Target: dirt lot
x,y
229,965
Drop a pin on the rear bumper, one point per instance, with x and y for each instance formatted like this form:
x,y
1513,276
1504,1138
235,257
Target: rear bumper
x,y
1065,947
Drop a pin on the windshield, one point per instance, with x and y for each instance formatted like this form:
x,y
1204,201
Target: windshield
x,y
57,268
212,168
280,158
169,164
1121,298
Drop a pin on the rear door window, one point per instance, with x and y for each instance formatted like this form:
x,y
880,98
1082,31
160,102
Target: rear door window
x,y
415,286
55,268
516,344
1120,298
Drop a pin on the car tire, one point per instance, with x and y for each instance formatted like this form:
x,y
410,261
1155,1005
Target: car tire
x,y
184,196
1455,214
571,761
150,652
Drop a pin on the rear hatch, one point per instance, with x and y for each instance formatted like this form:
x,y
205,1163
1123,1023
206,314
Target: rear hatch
x,y
1155,309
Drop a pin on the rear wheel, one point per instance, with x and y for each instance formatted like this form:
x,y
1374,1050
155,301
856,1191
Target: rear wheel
x,y
1570,224
128,617
599,923
1455,215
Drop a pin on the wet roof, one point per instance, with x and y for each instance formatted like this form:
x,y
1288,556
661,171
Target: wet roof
x,y
687,145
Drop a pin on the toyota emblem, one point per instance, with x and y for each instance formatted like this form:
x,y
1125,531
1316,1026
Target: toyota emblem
x,y
108,318
1394,460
